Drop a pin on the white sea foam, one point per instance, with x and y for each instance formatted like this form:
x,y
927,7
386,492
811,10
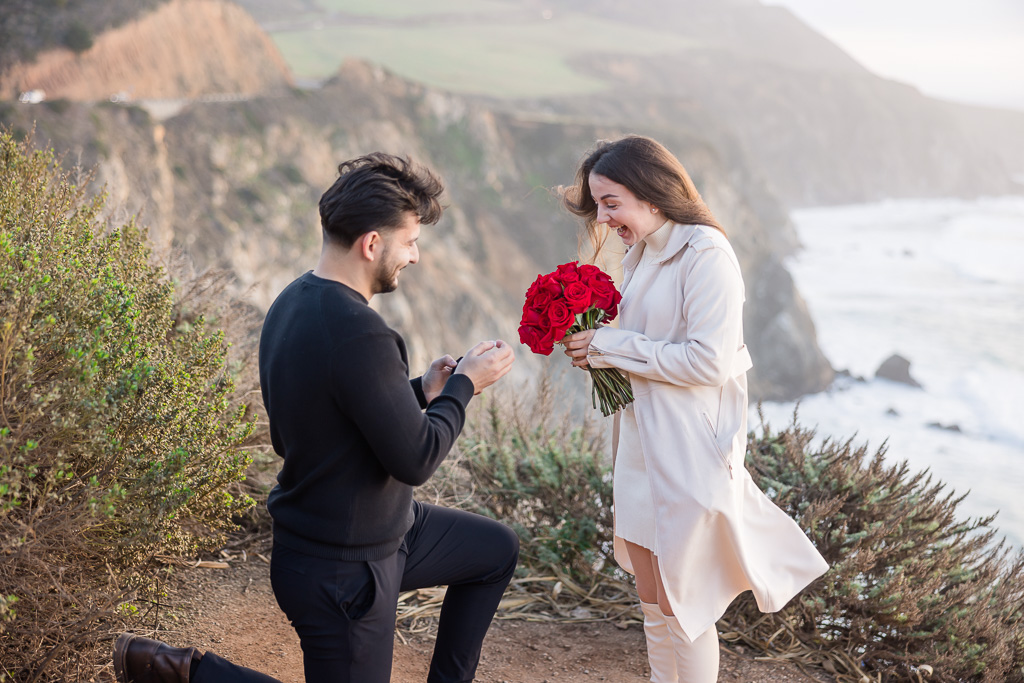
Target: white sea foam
x,y
942,284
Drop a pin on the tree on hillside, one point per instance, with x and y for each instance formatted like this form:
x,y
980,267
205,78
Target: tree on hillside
x,y
78,37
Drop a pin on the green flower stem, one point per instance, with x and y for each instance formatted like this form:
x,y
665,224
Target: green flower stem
x,y
611,389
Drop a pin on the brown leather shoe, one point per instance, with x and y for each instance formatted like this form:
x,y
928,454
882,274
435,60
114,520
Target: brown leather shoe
x,y
141,660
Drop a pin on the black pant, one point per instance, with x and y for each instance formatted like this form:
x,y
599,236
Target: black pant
x,y
344,612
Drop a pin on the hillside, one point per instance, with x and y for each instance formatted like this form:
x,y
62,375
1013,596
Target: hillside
x,y
182,49
816,125
751,78
764,112
818,138
237,184
820,128
29,27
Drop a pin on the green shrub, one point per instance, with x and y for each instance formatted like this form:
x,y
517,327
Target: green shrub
x,y
291,173
58,106
523,461
78,37
549,484
912,586
119,433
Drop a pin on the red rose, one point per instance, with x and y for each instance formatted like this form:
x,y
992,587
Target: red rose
x,y
613,311
566,273
551,285
547,342
560,317
539,340
577,297
588,273
531,336
534,288
535,318
541,300
543,283
606,297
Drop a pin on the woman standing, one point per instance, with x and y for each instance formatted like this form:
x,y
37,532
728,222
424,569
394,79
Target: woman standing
x,y
690,523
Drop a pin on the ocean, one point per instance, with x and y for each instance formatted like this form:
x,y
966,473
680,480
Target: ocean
x,y
941,283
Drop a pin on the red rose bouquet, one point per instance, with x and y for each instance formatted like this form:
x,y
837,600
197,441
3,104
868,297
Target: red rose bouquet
x,y
571,299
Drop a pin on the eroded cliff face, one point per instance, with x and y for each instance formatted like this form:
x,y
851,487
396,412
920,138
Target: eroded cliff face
x,y
183,49
237,186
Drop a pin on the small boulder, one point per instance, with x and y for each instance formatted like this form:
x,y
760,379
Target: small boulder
x,y
949,428
846,374
896,368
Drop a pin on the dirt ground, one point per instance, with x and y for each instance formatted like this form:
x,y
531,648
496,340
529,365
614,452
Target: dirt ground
x,y
232,611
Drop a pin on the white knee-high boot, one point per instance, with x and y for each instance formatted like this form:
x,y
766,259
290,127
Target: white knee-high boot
x,y
660,652
696,661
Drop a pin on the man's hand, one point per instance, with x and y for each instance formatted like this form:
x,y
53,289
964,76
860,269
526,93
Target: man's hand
x,y
436,376
577,347
486,363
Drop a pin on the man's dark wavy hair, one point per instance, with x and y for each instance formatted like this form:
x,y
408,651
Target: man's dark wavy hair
x,y
375,192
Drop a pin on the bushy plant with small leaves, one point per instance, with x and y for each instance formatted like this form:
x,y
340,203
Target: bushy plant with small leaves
x,y
542,473
915,591
120,433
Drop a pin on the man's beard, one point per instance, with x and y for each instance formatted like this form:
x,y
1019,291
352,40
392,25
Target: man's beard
x,y
386,278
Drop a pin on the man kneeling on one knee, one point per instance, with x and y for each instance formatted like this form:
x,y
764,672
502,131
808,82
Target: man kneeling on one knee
x,y
356,436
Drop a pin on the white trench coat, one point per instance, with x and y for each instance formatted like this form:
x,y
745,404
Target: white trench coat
x,y
681,341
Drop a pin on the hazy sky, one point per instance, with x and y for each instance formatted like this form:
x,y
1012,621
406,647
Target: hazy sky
x,y
963,50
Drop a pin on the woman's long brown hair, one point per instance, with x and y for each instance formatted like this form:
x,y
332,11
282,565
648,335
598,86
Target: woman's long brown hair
x,y
649,171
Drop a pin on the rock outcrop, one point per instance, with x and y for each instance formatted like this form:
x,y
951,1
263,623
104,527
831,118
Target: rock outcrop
x,y
896,368
182,49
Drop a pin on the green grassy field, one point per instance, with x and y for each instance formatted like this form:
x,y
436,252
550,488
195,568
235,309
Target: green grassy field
x,y
413,8
483,47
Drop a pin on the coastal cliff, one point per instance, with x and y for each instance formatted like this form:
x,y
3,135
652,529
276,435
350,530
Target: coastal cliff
x,y
236,184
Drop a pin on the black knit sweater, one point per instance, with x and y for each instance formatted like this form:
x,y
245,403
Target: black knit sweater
x,y
348,422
